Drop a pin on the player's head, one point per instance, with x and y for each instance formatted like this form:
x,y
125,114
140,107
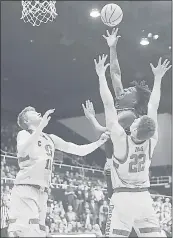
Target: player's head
x,y
128,99
143,128
28,117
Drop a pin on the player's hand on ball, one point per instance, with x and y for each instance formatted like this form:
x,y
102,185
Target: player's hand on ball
x,y
104,137
88,109
161,69
112,38
100,66
46,118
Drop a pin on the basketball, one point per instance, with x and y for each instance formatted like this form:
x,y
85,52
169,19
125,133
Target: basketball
x,y
111,14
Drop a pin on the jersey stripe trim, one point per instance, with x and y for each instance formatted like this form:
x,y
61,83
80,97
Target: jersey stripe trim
x,y
42,227
127,152
22,159
135,190
51,139
149,229
120,232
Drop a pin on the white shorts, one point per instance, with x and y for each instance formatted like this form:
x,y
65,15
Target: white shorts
x,y
27,212
132,209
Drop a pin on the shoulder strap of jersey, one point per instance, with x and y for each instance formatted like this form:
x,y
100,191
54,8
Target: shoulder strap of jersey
x,y
127,152
50,138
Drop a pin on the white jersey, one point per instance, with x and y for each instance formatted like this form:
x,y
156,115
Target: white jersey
x,y
133,171
36,167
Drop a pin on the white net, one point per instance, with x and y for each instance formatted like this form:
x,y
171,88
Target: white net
x,y
37,12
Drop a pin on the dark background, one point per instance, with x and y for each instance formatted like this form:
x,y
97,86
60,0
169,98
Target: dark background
x,y
51,66
56,70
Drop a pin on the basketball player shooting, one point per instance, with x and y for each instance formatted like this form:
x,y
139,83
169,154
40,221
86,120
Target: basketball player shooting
x,y
131,203
35,148
131,102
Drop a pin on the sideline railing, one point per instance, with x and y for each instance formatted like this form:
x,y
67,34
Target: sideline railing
x,y
65,186
90,172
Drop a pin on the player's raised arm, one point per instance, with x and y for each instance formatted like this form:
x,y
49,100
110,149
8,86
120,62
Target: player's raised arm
x,y
80,150
154,101
106,96
90,115
115,70
25,140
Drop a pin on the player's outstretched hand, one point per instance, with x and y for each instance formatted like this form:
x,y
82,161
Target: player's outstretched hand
x,y
46,118
88,109
112,38
104,137
100,66
161,69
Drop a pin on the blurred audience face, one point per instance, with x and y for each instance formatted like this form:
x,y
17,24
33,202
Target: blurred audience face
x,y
86,205
86,194
71,174
79,192
89,227
56,227
79,225
64,220
87,211
70,227
7,169
67,173
92,202
167,200
61,226
159,199
7,188
52,226
105,203
56,210
76,175
70,208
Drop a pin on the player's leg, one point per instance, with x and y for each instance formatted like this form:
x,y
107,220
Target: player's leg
x,y
43,197
120,216
147,223
23,210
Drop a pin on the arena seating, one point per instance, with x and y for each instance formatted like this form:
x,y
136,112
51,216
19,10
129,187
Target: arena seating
x,y
78,198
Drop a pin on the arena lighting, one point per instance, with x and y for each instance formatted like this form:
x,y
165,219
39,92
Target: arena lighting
x,y
149,34
155,37
144,41
94,13
169,47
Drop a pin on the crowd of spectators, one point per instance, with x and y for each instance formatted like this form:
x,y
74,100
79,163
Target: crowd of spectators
x,y
8,137
84,206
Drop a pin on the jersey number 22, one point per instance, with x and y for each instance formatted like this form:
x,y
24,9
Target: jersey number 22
x,y
137,164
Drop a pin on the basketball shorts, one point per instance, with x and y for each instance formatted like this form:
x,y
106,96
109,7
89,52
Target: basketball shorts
x,y
132,209
27,212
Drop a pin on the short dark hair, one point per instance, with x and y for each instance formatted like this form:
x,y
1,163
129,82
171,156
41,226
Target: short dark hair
x,y
21,119
146,128
143,96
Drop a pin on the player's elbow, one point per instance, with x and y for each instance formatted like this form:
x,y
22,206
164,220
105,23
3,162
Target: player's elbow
x,y
22,153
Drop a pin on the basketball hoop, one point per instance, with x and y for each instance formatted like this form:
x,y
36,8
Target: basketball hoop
x,y
37,12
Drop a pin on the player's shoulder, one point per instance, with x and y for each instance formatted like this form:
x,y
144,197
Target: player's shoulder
x,y
22,134
154,140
